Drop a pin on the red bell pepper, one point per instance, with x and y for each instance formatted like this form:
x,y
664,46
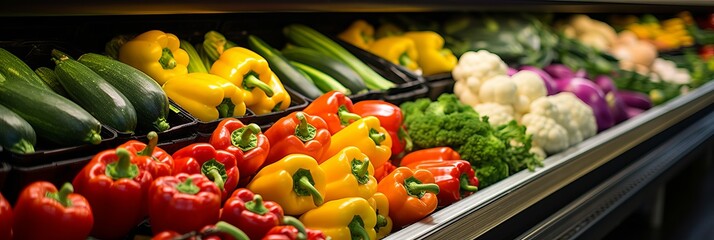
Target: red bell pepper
x,y
335,108
455,178
42,212
706,52
218,165
292,231
384,170
116,188
220,231
5,218
183,203
298,132
248,211
150,157
390,117
246,142
437,153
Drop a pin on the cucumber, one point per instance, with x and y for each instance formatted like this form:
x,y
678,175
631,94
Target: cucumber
x,y
328,65
287,73
195,63
50,78
52,116
17,135
13,68
146,96
93,93
321,80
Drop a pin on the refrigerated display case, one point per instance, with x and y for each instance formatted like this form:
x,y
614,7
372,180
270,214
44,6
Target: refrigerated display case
x,y
583,192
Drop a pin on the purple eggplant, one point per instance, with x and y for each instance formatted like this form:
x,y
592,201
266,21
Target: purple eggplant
x,y
591,94
605,83
632,112
550,84
635,99
559,71
617,107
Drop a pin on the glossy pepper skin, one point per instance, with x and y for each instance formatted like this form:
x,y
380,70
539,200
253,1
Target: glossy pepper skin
x,y
206,96
384,170
217,165
391,118
367,135
43,212
183,203
437,153
248,211
262,90
359,33
295,182
349,174
433,57
6,218
455,178
157,54
411,194
116,188
356,219
219,231
380,204
398,50
290,232
155,160
298,133
246,142
335,108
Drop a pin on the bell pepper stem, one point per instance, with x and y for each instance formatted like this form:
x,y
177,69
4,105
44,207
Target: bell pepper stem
x,y
216,177
405,60
187,187
419,187
226,108
465,186
256,205
363,168
357,229
62,194
346,116
292,221
252,81
381,222
245,137
231,230
304,130
167,60
153,141
376,136
316,196
122,168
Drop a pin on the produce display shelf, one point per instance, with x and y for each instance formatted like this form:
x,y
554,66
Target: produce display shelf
x,y
476,215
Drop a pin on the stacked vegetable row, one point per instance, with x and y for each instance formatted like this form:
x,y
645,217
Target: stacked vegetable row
x,y
332,157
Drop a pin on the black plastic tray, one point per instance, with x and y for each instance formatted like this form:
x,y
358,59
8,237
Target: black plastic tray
x,y
440,83
182,125
4,171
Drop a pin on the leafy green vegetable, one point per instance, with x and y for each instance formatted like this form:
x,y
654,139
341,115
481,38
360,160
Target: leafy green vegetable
x,y
495,153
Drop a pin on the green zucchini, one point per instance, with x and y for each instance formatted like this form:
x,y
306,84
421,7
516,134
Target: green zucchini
x,y
146,96
52,116
328,65
17,136
50,78
93,93
195,63
287,73
323,81
15,69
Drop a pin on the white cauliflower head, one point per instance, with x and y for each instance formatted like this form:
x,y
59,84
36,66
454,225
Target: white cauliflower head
x,y
482,65
546,133
466,96
530,84
499,89
498,114
582,120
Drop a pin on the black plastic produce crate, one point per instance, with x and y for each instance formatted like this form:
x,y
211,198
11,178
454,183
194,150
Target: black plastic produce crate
x,y
4,171
439,83
182,125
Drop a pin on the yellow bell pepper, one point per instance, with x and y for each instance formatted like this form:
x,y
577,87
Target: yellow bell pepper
x,y
388,29
380,204
365,134
398,50
349,174
343,219
157,54
295,182
360,34
206,96
263,91
433,57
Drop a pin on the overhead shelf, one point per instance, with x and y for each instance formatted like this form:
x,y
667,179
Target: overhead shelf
x,y
138,7
478,214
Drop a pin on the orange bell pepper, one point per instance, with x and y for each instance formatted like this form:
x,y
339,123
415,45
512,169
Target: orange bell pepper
x,y
411,194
